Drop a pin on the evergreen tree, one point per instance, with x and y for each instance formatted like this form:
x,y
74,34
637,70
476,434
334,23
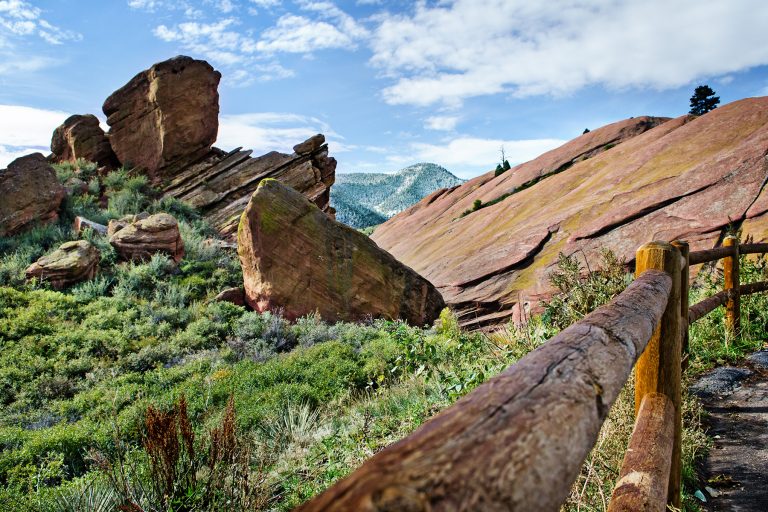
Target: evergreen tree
x,y
703,100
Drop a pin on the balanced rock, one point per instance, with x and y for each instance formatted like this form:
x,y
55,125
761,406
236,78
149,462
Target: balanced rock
x,y
80,136
297,258
141,239
310,145
30,193
166,117
71,263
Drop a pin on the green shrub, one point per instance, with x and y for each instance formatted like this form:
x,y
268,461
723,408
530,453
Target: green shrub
x,y
581,292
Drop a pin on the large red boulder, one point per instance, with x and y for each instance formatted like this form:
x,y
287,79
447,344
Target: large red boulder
x,y
297,259
166,117
29,193
81,136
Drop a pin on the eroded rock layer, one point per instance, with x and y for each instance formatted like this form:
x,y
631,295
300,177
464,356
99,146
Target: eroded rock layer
x,y
297,259
616,187
221,184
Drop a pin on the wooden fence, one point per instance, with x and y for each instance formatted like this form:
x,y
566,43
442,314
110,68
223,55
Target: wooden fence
x,y
518,441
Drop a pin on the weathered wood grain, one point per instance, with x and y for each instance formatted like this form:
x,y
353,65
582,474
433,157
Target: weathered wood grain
x,y
749,289
685,280
518,441
658,369
718,253
731,277
644,476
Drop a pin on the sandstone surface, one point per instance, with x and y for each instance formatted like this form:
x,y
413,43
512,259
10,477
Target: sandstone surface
x,y
296,258
141,239
80,136
687,178
166,117
71,263
221,184
30,194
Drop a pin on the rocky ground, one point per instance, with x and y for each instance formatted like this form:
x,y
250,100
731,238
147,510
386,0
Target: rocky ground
x,y
736,400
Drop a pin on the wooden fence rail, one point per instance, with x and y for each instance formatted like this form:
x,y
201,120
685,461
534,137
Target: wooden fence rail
x,y
518,441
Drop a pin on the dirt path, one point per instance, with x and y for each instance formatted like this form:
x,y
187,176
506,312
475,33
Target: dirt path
x,y
736,468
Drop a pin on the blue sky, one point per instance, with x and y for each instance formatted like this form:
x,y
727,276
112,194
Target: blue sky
x,y
390,83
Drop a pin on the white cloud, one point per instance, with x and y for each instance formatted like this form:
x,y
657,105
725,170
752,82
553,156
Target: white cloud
x,y
21,19
441,123
227,42
297,34
346,23
266,3
467,156
142,4
225,6
272,131
453,50
11,63
25,130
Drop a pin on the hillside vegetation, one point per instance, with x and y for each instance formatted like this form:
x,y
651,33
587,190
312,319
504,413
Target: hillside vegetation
x,y
368,199
82,370
136,389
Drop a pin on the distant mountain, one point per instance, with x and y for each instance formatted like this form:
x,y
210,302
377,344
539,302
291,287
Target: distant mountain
x,y
367,199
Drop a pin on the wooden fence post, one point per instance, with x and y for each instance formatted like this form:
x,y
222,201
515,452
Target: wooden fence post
x,y
684,249
731,275
658,368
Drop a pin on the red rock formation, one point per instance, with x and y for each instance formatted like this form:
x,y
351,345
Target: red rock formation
x,y
164,122
297,259
688,178
82,137
30,194
71,263
166,117
141,239
221,185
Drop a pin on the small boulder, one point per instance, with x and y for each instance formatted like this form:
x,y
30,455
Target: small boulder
x,y
141,239
81,224
166,117
215,243
234,295
30,193
310,145
81,136
71,263
116,225
297,258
